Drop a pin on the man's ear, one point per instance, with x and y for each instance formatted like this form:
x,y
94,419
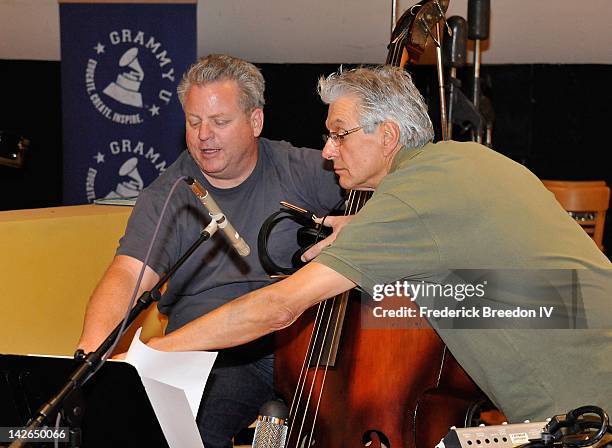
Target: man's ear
x,y
391,136
257,118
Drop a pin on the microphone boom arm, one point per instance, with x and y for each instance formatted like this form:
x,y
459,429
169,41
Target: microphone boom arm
x,y
217,215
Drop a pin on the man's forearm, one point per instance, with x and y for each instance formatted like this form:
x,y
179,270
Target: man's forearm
x,y
101,318
238,322
109,302
257,313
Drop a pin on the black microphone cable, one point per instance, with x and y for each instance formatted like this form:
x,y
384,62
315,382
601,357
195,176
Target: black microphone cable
x,y
562,430
138,281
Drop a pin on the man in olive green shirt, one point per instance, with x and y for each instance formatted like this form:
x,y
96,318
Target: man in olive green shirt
x,y
438,209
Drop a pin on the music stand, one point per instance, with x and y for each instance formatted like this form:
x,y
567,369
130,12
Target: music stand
x,y
116,409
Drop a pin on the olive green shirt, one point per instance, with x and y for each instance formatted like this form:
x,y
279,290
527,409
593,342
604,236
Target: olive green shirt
x,y
453,205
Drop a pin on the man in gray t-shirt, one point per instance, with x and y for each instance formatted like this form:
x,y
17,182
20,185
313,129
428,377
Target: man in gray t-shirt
x,y
222,98
214,274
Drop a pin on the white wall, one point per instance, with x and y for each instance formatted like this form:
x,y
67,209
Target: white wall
x,y
29,29
522,31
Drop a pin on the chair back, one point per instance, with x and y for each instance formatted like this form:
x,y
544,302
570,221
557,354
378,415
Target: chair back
x,y
586,201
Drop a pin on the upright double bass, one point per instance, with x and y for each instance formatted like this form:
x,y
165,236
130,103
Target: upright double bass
x,y
382,387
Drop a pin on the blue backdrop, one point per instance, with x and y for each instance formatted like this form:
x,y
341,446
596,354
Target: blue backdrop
x,y
122,122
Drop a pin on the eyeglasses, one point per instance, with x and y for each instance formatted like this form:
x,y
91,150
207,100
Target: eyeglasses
x,y
337,137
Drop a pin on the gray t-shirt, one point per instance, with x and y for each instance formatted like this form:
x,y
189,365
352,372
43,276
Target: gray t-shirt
x,y
215,274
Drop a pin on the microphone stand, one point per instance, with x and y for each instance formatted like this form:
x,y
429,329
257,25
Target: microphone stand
x,y
440,70
438,38
479,12
93,360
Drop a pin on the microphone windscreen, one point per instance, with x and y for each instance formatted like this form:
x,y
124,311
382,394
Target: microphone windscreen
x,y
271,428
454,48
274,408
479,14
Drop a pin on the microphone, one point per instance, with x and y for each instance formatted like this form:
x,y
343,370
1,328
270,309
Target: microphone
x,y
455,48
215,213
271,427
479,12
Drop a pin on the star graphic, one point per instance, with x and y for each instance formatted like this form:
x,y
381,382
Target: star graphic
x,y
154,109
99,48
99,157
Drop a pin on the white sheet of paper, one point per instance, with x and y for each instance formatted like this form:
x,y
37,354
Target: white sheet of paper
x,y
174,382
174,416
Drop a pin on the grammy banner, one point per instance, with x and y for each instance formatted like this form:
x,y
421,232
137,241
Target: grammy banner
x,y
122,120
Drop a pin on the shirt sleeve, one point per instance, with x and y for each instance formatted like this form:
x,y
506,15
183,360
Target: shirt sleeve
x,y
386,241
141,227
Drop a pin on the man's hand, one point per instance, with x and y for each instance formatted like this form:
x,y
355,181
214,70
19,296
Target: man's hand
x,y
159,343
156,342
257,313
336,223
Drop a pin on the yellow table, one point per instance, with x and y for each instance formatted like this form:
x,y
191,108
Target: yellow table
x,y
50,261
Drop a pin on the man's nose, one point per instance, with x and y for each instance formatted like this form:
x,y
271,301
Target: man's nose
x,y
329,150
204,132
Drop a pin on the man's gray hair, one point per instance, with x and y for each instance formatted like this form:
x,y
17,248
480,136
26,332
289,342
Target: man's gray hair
x,y
384,93
220,67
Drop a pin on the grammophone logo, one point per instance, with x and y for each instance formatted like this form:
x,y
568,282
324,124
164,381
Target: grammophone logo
x,y
129,77
122,170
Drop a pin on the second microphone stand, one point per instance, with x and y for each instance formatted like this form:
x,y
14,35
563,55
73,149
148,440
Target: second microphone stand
x,y
92,361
